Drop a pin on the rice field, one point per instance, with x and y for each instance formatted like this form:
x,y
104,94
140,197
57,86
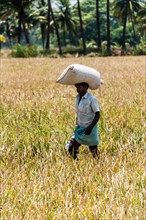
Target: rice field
x,y
39,180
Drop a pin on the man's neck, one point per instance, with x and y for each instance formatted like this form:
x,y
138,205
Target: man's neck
x,y
81,95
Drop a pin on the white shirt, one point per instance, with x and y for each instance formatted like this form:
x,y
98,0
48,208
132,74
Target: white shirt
x,y
85,109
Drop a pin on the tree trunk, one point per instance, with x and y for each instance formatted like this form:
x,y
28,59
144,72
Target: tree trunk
x,y
108,29
132,21
8,31
98,26
42,26
64,35
19,27
124,25
24,26
57,32
48,24
81,26
26,34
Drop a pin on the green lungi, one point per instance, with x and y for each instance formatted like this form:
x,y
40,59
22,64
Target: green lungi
x,y
90,140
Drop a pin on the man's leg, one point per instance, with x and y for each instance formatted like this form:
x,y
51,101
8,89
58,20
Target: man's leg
x,y
94,151
74,148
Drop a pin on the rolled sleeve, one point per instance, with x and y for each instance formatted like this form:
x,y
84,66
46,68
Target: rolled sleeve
x,y
95,105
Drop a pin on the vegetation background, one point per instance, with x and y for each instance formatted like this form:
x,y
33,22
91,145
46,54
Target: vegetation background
x,y
38,179
64,27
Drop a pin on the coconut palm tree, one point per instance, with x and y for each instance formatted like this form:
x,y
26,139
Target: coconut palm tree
x,y
48,25
64,17
56,27
45,16
141,19
41,14
108,28
81,27
10,7
98,26
124,10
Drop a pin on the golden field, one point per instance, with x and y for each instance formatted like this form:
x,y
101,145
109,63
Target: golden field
x,y
39,180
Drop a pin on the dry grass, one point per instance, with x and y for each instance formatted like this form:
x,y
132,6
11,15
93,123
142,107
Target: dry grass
x,y
38,180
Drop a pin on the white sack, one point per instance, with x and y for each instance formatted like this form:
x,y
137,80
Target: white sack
x,y
76,73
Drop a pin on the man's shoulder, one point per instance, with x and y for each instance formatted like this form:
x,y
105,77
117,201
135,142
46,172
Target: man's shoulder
x,y
92,97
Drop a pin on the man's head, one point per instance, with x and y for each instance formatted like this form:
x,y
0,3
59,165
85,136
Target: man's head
x,y
82,88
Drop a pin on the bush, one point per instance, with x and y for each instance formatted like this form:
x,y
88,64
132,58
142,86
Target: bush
x,y
51,52
140,49
104,49
24,51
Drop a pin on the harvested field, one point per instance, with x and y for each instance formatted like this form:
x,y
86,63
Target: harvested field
x,y
38,179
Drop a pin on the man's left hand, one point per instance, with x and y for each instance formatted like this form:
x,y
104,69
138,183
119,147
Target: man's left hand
x,y
88,130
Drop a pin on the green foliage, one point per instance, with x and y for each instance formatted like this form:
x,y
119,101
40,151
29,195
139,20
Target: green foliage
x,y
35,22
104,48
24,51
92,44
140,49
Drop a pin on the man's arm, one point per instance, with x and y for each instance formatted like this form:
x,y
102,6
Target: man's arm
x,y
94,122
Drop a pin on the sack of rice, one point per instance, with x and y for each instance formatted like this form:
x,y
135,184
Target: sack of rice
x,y
77,73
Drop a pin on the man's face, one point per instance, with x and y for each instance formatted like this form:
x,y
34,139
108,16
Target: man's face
x,y
81,89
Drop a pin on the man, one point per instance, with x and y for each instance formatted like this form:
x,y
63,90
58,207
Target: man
x,y
86,131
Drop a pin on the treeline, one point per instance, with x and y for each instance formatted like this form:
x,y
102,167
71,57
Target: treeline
x,y
101,26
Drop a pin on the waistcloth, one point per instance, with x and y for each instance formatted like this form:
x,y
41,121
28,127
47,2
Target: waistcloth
x,y
90,140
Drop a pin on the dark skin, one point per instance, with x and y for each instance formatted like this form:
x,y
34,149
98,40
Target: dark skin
x,y
81,90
